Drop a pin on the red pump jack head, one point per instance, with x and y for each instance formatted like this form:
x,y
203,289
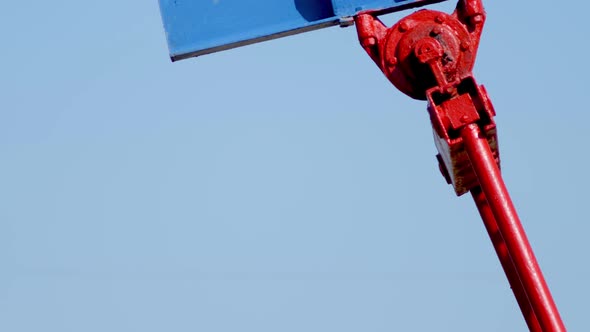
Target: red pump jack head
x,y
429,55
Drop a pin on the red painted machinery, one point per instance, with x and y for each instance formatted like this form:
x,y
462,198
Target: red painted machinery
x,y
429,55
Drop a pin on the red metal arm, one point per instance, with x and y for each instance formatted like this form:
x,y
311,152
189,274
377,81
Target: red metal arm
x,y
507,264
511,229
429,55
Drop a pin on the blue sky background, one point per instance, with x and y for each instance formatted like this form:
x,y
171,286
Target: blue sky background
x,y
284,186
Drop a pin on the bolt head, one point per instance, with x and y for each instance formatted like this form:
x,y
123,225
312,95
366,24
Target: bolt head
x,y
391,63
477,19
465,45
370,41
439,19
403,26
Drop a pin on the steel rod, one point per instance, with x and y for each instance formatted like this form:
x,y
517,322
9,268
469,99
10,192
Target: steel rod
x,y
510,227
505,259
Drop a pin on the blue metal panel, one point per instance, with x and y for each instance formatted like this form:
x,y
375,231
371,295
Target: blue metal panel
x,y
352,7
197,27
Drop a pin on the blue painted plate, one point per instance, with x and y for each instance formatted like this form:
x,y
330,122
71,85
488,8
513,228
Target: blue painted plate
x,y
197,27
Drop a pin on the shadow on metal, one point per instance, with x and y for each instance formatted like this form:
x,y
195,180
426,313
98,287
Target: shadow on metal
x,y
314,10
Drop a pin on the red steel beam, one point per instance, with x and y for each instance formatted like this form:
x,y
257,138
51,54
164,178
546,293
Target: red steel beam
x,y
511,230
507,264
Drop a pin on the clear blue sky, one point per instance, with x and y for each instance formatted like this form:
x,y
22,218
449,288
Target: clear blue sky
x,y
284,186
